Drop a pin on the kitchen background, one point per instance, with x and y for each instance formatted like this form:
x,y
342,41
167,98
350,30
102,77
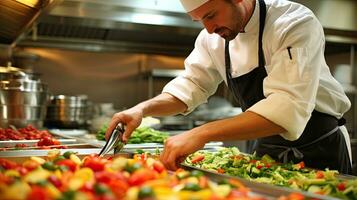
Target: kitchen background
x,y
123,52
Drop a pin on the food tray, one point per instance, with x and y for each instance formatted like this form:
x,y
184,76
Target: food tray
x,y
265,190
16,155
13,143
21,157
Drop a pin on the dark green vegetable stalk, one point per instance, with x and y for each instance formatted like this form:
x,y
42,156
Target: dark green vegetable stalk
x,y
139,135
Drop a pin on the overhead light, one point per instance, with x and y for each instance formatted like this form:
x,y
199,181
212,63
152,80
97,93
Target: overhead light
x,y
30,3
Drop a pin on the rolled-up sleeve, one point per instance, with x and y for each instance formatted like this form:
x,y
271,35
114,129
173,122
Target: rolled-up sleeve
x,y
200,79
292,82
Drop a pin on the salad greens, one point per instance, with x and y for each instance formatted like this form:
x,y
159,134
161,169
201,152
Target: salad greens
x,y
139,135
266,170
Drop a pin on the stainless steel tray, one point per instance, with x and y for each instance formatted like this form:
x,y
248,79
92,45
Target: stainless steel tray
x,y
42,153
259,188
13,143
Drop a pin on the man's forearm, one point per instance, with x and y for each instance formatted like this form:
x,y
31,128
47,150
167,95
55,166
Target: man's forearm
x,y
162,105
245,126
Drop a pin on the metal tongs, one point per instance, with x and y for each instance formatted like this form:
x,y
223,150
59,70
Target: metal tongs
x,y
115,141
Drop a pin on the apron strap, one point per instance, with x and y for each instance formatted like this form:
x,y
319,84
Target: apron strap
x,y
298,154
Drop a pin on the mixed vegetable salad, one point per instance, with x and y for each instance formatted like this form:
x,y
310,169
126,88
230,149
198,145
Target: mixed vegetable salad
x,y
140,135
67,177
265,170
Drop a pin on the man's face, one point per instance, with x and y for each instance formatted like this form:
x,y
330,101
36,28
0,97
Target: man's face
x,y
220,17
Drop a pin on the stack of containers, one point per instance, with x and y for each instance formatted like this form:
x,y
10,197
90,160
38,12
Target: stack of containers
x,y
23,99
68,112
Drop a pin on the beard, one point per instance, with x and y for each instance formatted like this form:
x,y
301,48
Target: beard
x,y
226,33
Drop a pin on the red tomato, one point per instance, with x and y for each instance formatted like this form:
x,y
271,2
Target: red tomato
x,y
301,165
55,181
341,186
203,181
55,142
119,188
7,164
141,176
220,170
87,187
30,164
22,170
319,174
158,166
38,193
6,179
296,196
45,141
104,176
95,163
68,163
197,159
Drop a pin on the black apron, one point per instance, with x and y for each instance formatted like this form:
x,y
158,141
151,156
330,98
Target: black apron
x,y
321,145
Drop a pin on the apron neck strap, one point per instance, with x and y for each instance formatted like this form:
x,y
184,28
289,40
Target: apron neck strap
x,y
262,16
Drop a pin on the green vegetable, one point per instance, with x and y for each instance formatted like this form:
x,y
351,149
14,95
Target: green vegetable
x,y
132,167
67,154
101,189
145,192
49,166
139,135
266,170
196,173
192,187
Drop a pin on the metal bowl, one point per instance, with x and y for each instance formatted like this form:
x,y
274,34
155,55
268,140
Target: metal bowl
x,y
65,100
23,85
24,112
16,97
68,111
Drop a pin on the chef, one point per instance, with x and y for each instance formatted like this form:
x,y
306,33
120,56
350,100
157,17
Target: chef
x,y
270,53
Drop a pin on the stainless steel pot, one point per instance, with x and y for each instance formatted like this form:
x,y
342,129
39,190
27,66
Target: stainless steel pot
x,y
21,111
68,112
23,85
23,98
16,97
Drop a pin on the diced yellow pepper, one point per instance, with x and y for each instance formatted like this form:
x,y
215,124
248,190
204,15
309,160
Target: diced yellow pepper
x,y
38,159
37,175
12,172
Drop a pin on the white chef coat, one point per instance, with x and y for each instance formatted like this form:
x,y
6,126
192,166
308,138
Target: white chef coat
x,y
293,87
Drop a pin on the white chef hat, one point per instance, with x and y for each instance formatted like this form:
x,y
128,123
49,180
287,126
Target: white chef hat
x,y
190,5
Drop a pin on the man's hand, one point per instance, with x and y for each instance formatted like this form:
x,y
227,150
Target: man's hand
x,y
178,147
131,118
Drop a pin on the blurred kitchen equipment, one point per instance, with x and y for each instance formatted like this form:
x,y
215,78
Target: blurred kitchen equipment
x,y
66,111
103,113
25,60
22,99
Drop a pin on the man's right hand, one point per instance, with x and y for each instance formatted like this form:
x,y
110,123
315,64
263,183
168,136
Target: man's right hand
x,y
131,119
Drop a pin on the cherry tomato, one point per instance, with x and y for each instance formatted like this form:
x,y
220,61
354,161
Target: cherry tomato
x,y
95,163
197,159
30,164
119,188
55,181
38,193
220,170
7,164
68,163
341,186
319,174
141,176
